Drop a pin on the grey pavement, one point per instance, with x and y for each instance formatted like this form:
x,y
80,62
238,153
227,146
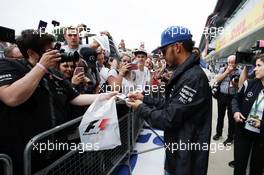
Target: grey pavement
x,y
218,161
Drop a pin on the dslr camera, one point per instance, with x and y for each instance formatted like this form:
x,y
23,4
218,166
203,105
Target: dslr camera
x,y
7,34
67,56
258,48
235,78
247,58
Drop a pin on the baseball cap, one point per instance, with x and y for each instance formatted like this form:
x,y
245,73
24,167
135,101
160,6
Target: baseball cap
x,y
172,35
138,51
89,55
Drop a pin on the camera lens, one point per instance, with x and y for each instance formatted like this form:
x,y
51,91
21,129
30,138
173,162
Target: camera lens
x,y
69,56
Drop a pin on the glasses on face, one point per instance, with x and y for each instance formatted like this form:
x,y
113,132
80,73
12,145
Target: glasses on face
x,y
164,50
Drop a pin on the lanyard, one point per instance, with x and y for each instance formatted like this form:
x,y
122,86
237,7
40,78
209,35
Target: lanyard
x,y
257,103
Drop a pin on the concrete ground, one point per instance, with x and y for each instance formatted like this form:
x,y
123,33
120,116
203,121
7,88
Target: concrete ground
x,y
218,161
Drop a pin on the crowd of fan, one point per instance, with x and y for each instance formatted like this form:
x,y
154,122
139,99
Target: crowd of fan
x,y
59,93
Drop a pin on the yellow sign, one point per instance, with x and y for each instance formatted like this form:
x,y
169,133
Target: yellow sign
x,y
246,21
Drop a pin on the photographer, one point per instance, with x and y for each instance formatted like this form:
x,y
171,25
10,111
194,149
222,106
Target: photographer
x,y
228,79
248,108
33,95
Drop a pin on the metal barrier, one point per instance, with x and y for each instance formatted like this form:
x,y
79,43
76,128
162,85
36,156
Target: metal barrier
x,y
7,162
136,125
73,162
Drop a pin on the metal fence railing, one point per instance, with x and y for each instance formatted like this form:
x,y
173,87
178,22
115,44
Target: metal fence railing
x,y
6,164
136,125
74,162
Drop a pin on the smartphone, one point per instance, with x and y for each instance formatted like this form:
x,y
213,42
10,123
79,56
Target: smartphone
x,y
57,46
7,34
134,65
78,70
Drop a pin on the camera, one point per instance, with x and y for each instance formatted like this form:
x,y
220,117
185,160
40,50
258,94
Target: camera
x,y
235,78
55,23
7,35
42,26
67,56
246,58
258,47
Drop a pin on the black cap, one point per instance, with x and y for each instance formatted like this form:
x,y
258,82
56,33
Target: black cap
x,y
89,55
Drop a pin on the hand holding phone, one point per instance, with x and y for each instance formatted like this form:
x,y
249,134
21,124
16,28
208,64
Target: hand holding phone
x,y
133,65
78,70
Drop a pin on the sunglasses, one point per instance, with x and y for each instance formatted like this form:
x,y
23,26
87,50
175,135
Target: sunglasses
x,y
164,50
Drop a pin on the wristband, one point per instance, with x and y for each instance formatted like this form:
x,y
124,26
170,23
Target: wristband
x,y
42,67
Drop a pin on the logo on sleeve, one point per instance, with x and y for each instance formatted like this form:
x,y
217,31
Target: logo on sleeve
x,y
186,94
5,77
250,94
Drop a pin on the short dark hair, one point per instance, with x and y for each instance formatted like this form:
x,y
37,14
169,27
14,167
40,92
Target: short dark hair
x,y
259,56
196,51
188,45
31,39
140,52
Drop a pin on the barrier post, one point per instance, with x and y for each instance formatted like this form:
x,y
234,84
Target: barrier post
x,y
8,166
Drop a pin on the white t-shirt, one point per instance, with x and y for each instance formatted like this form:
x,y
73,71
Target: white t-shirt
x,y
67,49
142,79
113,73
127,84
103,75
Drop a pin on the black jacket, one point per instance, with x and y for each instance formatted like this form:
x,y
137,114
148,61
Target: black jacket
x,y
185,115
244,101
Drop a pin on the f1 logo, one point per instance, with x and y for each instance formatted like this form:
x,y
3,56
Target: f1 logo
x,y
97,125
90,126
